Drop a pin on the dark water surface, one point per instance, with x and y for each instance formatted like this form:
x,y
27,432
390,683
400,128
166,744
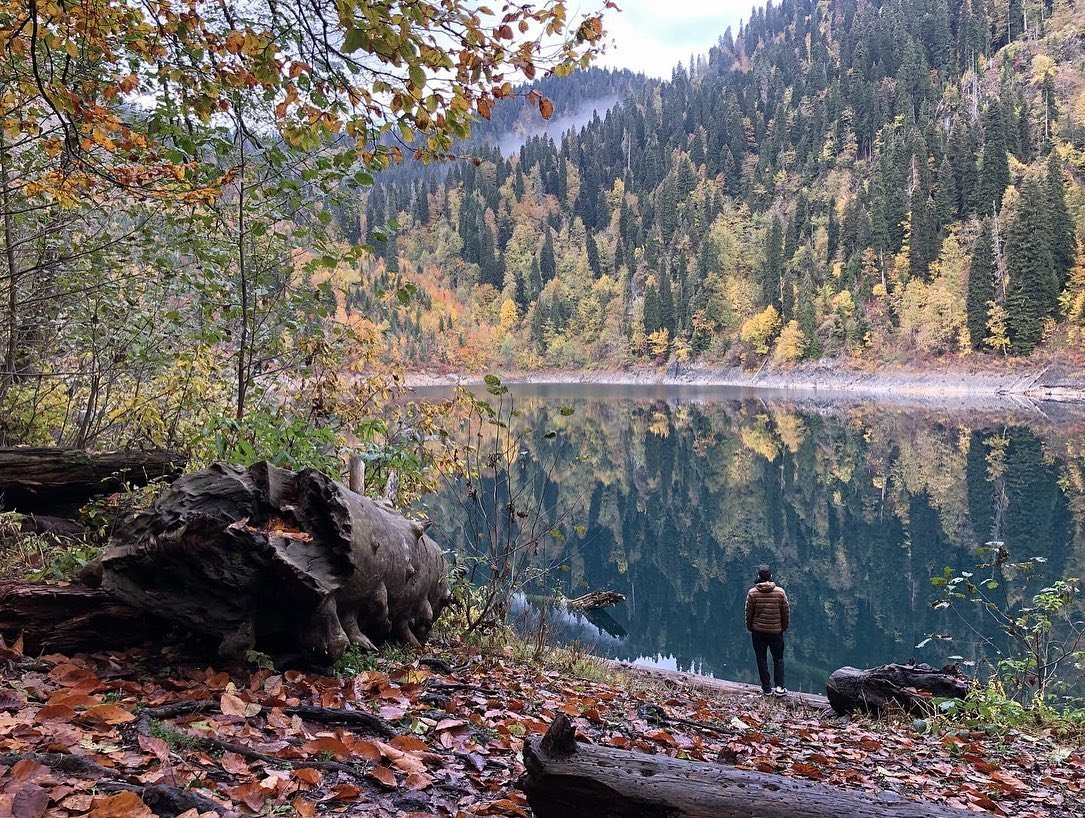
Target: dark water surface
x,y
683,491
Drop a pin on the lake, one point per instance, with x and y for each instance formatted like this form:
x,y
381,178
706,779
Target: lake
x,y
674,495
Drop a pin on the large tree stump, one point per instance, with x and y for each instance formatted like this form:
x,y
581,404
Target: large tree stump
x,y
43,479
269,557
564,779
908,687
71,618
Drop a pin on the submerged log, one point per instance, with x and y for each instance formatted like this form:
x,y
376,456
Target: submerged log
x,y
564,779
270,557
908,687
33,479
71,618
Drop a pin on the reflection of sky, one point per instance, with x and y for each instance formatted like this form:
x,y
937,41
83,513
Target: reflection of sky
x,y
653,37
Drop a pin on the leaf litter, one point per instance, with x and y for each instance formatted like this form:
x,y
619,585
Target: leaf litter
x,y
121,735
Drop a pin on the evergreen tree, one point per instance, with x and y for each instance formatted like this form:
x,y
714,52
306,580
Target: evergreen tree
x,y
981,285
773,264
547,263
1032,291
1062,226
651,310
666,303
593,256
994,173
945,203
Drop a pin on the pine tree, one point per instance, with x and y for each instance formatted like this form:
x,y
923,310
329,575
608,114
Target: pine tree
x,y
981,285
1062,226
1032,290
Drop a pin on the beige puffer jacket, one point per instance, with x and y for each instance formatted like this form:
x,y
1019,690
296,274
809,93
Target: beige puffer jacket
x,y
767,609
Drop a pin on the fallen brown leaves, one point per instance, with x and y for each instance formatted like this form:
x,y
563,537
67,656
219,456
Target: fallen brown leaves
x,y
79,737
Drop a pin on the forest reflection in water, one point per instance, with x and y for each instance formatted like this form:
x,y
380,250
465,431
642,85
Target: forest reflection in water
x,y
681,492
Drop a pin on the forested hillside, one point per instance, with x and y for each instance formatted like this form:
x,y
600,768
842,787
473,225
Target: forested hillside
x,y
872,180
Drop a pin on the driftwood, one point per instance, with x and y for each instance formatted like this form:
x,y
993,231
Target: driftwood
x,y
564,779
281,559
595,600
908,687
71,618
33,479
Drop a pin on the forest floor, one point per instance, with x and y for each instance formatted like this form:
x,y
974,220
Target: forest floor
x,y
1051,376
111,734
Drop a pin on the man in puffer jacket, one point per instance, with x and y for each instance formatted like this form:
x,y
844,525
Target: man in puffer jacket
x,y
768,615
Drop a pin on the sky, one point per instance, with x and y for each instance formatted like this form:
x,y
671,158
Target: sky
x,y
653,36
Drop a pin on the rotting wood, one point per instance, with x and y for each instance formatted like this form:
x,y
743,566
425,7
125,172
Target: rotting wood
x,y
564,779
72,618
46,478
911,688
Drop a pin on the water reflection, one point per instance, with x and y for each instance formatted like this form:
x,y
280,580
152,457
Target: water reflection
x,y
683,494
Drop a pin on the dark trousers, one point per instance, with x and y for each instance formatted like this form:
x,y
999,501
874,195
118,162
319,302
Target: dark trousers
x,y
762,642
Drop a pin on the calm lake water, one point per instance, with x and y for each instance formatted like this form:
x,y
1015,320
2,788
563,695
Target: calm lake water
x,y
680,493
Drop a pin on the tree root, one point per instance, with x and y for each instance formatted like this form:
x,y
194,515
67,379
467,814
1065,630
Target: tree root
x,y
375,725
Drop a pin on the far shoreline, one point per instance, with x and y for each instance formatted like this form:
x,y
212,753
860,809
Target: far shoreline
x,y
1057,381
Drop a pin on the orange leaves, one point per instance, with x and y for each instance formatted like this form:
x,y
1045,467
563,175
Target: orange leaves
x,y
383,776
233,705
121,805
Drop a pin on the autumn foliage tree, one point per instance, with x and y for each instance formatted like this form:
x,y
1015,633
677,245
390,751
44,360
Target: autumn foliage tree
x,y
166,172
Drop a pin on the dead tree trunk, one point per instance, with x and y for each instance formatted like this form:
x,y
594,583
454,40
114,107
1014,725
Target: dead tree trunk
x,y
568,780
41,479
908,687
71,618
288,560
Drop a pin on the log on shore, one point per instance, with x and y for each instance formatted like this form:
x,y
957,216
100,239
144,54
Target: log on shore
x,y
71,618
564,779
44,478
595,600
281,560
907,687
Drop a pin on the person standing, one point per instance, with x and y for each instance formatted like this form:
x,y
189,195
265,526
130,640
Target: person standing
x,y
768,615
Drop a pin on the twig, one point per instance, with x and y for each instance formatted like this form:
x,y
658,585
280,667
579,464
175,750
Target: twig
x,y
165,800
324,715
209,743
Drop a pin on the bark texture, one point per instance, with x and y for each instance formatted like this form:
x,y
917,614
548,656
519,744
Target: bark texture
x,y
270,557
41,479
908,687
71,618
568,780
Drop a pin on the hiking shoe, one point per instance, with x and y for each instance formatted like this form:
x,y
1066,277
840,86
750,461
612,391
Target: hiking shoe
x,y
766,692
779,691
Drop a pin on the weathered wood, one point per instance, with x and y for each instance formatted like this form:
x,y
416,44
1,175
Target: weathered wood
x,y
356,474
71,618
288,560
33,479
595,600
568,780
907,687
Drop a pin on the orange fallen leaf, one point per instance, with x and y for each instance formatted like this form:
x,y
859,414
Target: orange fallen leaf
x,y
327,744
309,776
121,805
234,763
233,705
383,775
107,714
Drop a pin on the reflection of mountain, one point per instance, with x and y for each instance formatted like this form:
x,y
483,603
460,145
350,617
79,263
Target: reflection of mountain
x,y
855,508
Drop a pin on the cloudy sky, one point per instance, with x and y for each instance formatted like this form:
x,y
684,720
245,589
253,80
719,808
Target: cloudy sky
x,y
654,35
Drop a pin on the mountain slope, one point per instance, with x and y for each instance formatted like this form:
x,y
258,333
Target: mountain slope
x,y
868,180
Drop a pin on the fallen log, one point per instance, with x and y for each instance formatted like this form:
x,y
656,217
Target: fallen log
x,y
595,600
281,559
45,478
908,687
72,618
564,779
